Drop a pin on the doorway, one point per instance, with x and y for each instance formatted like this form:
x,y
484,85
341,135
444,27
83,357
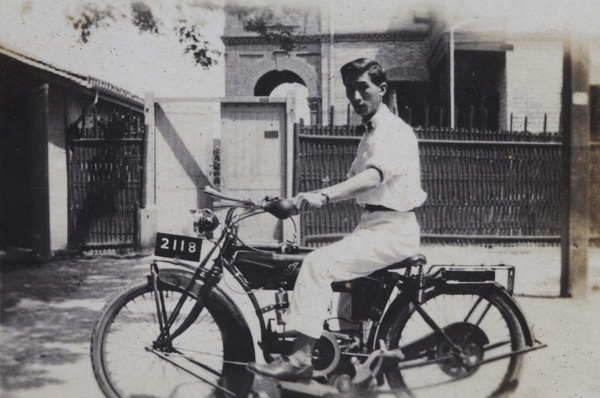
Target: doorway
x,y
253,158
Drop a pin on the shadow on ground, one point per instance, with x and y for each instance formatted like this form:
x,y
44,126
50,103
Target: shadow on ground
x,y
48,310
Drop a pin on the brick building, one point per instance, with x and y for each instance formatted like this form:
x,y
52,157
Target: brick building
x,y
504,74
502,80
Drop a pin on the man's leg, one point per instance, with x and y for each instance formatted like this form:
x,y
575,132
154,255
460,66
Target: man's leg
x,y
379,240
375,243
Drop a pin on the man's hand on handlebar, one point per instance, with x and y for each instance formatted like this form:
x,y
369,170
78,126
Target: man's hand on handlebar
x,y
314,199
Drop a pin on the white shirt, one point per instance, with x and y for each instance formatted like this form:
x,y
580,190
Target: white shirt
x,y
392,148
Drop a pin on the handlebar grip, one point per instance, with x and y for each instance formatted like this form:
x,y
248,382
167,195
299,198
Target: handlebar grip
x,y
281,208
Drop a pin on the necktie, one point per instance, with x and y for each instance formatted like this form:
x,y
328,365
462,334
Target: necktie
x,y
364,128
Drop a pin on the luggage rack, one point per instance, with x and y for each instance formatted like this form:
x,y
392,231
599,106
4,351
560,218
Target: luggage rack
x,y
477,274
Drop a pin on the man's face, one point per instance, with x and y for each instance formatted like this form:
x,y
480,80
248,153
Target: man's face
x,y
364,96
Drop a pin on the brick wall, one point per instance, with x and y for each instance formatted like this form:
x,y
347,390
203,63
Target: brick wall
x,y
534,84
402,60
246,62
531,86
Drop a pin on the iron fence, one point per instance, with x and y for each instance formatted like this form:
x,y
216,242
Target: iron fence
x,y
105,168
483,186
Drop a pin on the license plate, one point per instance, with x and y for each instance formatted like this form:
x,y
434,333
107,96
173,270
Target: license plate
x,y
177,246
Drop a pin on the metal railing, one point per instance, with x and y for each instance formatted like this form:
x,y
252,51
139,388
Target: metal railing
x,y
483,186
105,171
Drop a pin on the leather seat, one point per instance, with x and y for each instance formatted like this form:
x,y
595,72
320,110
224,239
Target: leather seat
x,y
381,275
417,259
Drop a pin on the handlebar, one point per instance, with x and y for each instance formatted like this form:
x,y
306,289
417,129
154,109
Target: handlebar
x,y
280,208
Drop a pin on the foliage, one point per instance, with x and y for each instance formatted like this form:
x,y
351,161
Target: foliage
x,y
260,20
91,18
143,18
267,22
94,17
188,34
274,33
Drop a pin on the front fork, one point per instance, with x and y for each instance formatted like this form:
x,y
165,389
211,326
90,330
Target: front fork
x,y
165,320
159,300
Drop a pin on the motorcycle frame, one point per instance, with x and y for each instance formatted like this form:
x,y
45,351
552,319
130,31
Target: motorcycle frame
x,y
409,291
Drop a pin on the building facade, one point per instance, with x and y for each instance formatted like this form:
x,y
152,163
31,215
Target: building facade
x,y
501,80
473,74
71,160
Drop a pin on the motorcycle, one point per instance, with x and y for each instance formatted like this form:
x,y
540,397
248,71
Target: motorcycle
x,y
412,330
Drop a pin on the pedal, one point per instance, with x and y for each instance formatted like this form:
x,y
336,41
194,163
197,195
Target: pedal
x,y
312,389
364,371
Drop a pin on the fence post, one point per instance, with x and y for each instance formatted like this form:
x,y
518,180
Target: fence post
x,y
471,118
296,173
147,218
348,112
331,121
484,118
575,108
149,151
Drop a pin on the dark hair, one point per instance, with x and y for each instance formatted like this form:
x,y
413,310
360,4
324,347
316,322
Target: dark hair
x,y
362,65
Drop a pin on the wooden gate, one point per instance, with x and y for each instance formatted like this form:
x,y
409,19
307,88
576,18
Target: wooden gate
x,y
253,159
106,149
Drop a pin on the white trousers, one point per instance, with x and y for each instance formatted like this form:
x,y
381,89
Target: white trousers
x,y
380,239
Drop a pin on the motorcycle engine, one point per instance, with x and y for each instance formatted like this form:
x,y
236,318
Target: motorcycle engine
x,y
326,355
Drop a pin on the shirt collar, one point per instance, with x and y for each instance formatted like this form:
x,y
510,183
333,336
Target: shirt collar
x,y
376,119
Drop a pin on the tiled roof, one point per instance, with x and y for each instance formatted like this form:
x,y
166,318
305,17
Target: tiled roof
x,y
84,81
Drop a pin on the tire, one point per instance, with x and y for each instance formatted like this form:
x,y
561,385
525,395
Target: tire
x,y
450,310
126,330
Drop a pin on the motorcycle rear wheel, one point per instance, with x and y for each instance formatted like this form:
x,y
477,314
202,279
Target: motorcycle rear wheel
x,y
481,323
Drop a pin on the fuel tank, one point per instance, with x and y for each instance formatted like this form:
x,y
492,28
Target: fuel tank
x,y
270,268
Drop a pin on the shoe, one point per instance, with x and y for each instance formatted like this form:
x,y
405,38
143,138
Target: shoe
x,y
282,369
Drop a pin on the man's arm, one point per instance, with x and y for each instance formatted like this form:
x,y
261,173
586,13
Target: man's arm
x,y
348,189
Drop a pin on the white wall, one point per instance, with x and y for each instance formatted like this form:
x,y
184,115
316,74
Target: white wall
x,y
57,170
184,154
534,83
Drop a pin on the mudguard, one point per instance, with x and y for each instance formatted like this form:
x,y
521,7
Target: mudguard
x,y
182,278
516,309
401,304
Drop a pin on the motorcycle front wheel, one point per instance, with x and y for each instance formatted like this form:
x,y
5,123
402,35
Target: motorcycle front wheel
x,y
481,327
207,360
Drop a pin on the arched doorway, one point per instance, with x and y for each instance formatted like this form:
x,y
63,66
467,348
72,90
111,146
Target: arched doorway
x,y
283,84
300,93
269,81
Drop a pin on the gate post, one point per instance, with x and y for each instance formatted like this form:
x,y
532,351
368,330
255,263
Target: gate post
x,y
147,217
576,116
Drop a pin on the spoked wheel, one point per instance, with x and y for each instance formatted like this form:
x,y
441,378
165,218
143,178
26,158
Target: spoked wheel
x,y
479,327
215,348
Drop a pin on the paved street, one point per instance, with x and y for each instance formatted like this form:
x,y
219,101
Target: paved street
x,y
48,311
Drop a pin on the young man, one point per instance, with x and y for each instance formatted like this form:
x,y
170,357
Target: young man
x,y
385,181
